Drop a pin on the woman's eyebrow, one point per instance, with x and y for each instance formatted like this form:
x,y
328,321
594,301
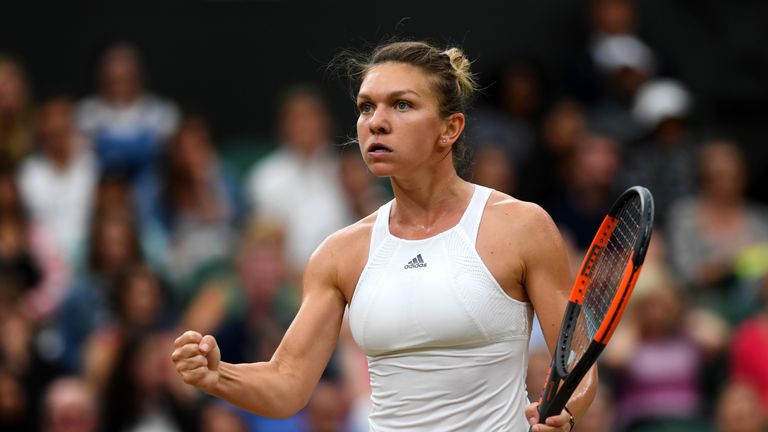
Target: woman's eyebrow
x,y
394,94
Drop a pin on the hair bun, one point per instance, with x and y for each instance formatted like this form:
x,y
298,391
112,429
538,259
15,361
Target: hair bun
x,y
462,70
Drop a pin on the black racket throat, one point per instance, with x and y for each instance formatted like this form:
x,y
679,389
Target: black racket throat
x,y
562,383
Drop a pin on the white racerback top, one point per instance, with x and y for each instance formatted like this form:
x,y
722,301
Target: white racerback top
x,y
447,347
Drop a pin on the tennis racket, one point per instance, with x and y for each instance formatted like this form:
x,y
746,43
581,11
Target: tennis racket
x,y
599,295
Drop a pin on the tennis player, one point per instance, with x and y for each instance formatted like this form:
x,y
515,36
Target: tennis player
x,y
441,282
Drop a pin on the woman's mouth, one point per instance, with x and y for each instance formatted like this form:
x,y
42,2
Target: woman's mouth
x,y
379,148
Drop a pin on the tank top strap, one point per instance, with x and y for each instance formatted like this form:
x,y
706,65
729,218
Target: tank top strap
x,y
380,227
470,222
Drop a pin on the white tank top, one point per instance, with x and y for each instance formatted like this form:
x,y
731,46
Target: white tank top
x,y
447,347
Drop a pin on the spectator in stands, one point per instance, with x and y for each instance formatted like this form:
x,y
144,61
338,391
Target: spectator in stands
x,y
584,80
139,304
25,371
590,188
298,184
510,125
113,247
199,205
625,64
327,408
127,124
664,161
712,230
143,394
739,410
15,114
29,259
70,406
58,181
249,305
15,404
657,359
544,177
220,417
749,345
492,167
363,192
20,271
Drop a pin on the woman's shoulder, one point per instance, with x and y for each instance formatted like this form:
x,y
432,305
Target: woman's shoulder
x,y
510,224
512,212
342,255
350,240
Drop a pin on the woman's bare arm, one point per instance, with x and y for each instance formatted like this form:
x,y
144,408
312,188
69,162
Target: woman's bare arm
x,y
283,385
548,282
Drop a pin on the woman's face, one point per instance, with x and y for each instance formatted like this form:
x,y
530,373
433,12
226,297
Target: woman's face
x,y
399,127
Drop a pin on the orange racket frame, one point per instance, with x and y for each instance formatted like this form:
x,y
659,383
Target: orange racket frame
x,y
561,383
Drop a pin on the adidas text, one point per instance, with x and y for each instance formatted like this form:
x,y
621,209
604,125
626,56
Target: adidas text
x,y
417,262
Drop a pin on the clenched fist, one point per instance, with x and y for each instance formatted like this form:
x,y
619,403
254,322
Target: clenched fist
x,y
197,360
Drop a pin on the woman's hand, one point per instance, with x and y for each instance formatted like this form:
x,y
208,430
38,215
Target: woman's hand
x,y
197,360
558,423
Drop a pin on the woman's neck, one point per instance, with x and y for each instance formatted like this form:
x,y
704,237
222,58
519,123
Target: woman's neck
x,y
426,203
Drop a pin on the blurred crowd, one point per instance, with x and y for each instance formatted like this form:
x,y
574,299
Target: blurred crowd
x,y
122,223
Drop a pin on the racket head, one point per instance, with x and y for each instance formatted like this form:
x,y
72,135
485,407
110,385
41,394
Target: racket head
x,y
600,293
607,275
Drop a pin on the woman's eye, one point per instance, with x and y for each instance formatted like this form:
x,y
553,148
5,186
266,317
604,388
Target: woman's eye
x,y
402,105
365,108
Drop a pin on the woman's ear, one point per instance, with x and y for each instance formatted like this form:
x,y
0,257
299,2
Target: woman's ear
x,y
453,126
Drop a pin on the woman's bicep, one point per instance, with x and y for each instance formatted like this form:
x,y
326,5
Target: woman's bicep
x,y
311,338
548,274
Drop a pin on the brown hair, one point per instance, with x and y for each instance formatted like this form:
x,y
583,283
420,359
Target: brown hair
x,y
452,81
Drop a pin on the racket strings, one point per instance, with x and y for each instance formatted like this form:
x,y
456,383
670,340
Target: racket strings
x,y
606,275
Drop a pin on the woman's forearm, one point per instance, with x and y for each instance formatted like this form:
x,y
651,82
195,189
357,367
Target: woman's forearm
x,y
262,388
579,402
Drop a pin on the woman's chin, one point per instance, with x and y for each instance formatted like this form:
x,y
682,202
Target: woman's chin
x,y
381,170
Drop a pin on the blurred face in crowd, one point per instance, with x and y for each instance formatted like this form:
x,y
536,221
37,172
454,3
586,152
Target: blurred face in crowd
x,y
354,176
13,405
262,268
595,163
722,171
492,168
56,127
10,200
611,17
114,241
192,149
658,311
121,74
305,124
141,298
625,81
520,91
13,90
70,407
399,127
327,407
563,126
739,410
151,368
113,195
218,418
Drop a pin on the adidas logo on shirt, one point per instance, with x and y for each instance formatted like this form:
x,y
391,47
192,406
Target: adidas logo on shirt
x,y
416,263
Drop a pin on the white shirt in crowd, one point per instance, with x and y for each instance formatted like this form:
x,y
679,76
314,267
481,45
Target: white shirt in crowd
x,y
305,195
60,198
